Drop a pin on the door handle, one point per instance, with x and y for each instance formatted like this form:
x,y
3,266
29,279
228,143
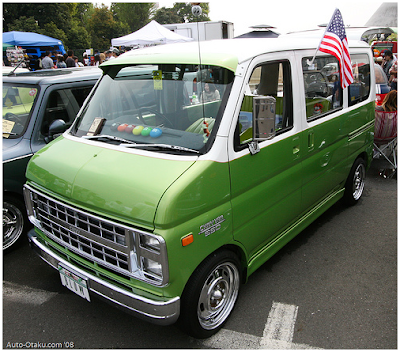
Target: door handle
x,y
310,140
296,147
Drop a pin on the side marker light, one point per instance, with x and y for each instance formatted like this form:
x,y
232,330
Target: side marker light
x,y
187,240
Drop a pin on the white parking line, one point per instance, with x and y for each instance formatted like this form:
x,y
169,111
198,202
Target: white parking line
x,y
24,294
278,333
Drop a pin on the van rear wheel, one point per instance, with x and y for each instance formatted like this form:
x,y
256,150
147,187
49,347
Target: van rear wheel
x,y
210,295
355,183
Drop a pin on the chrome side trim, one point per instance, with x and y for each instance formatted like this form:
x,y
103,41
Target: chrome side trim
x,y
158,312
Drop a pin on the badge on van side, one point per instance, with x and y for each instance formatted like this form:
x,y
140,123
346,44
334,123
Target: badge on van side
x,y
211,226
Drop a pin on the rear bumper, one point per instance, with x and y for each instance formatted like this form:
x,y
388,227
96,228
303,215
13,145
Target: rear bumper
x,y
158,312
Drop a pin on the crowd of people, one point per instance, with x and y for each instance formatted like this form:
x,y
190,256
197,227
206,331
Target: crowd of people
x,y
389,66
54,60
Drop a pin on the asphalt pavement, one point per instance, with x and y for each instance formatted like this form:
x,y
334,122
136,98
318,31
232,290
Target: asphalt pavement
x,y
333,287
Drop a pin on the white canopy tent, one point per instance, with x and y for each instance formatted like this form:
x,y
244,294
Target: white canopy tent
x,y
152,33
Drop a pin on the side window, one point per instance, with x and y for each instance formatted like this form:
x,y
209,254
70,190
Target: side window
x,y
271,79
63,104
323,93
359,90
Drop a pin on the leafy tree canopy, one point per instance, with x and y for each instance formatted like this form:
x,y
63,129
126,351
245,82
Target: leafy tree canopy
x,y
84,25
135,15
167,15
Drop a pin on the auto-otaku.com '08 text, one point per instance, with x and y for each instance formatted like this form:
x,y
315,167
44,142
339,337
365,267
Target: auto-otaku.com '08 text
x,y
36,345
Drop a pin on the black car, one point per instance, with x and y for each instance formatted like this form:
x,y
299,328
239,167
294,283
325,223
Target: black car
x,y
36,107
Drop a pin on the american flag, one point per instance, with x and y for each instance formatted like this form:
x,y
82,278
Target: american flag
x,y
335,43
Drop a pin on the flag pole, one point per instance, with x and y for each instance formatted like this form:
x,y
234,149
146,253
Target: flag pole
x,y
310,63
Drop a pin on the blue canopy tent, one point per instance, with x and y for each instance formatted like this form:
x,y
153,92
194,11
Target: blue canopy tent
x,y
35,44
28,39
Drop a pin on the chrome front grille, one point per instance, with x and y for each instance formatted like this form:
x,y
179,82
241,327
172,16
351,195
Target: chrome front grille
x,y
94,238
107,244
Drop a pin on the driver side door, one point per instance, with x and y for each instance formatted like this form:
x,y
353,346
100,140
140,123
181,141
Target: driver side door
x,y
266,186
59,102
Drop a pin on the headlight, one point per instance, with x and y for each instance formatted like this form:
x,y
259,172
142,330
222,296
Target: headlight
x,y
149,257
151,243
153,267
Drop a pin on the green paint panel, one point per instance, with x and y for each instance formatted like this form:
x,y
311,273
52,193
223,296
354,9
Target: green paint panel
x,y
128,191
266,193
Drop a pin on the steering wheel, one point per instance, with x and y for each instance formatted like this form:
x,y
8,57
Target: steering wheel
x,y
19,126
318,89
141,109
12,117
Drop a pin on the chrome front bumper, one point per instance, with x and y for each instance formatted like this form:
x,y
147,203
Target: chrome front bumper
x,y
158,312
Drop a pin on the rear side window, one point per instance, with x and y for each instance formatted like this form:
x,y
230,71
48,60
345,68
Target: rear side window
x,y
360,88
323,93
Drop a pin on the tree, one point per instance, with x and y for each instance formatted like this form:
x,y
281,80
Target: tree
x,y
78,25
82,12
78,31
58,13
167,15
51,30
103,27
77,36
135,15
184,10
181,12
12,12
24,24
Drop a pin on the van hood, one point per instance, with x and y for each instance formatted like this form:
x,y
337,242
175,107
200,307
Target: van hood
x,y
113,183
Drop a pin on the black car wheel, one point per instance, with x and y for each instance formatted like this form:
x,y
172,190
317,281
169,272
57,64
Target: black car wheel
x,y
14,221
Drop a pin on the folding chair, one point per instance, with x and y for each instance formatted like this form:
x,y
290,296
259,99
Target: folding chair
x,y
385,138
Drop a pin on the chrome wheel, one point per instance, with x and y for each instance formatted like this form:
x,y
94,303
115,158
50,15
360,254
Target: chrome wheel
x,y
13,224
218,295
355,183
358,181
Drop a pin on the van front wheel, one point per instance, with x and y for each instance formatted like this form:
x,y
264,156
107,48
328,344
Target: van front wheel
x,y
210,295
355,183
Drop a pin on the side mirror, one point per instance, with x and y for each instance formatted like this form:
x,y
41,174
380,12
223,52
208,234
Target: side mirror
x,y
264,113
56,127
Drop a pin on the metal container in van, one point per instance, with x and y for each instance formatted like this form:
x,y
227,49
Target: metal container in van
x,y
163,203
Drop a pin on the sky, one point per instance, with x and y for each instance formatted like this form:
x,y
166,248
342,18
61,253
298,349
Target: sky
x,y
287,15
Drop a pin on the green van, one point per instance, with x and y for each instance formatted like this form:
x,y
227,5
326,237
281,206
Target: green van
x,y
185,171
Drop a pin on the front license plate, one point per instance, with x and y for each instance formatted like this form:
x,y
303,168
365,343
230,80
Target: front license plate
x,y
74,282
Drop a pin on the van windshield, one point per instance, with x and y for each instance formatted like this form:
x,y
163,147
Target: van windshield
x,y
18,104
172,108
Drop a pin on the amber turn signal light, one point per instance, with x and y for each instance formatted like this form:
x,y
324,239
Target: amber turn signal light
x,y
187,240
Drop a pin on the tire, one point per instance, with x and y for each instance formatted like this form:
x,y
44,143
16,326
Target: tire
x,y
355,183
14,222
210,295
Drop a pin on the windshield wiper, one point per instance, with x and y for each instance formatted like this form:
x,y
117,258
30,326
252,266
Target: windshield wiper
x,y
112,138
130,144
162,147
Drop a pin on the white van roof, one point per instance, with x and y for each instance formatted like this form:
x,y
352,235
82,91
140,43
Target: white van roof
x,y
226,53
352,33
